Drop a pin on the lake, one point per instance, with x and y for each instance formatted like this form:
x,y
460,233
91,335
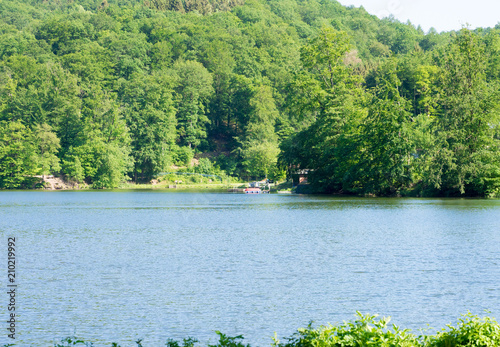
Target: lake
x,y
120,266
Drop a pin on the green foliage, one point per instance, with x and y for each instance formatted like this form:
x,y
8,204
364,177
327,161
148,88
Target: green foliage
x,y
328,146
113,164
467,123
204,166
224,341
428,89
104,160
72,167
259,157
72,341
99,91
189,342
18,157
193,90
386,162
366,330
229,341
47,147
200,6
324,56
277,174
227,164
183,156
441,141
150,116
470,331
259,150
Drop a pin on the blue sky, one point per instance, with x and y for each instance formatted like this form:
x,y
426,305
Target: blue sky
x,y
443,15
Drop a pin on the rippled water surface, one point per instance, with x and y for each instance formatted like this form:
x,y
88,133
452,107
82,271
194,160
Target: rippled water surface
x,y
119,266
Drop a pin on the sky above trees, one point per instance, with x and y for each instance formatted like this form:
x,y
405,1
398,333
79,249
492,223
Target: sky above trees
x,y
443,15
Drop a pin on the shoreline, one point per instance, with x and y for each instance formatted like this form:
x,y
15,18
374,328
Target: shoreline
x,y
51,184
225,189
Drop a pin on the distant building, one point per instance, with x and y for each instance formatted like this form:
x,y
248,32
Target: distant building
x,y
300,177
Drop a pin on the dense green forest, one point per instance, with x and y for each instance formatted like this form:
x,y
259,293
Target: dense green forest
x,y
105,91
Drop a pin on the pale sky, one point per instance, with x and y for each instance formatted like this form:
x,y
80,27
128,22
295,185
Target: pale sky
x,y
443,15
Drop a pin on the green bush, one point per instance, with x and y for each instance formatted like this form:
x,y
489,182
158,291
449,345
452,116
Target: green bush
x,y
183,156
228,341
470,331
189,342
204,166
365,331
227,164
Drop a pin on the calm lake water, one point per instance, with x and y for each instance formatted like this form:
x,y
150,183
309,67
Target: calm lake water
x,y
120,266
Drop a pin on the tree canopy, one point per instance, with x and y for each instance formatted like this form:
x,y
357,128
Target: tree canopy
x,y
104,90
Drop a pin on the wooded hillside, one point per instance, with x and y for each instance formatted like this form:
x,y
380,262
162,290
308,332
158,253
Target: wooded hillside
x,y
98,91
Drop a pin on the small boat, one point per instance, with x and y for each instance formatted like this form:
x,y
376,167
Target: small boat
x,y
253,191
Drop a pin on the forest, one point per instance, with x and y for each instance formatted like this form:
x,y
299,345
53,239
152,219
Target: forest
x,y
107,91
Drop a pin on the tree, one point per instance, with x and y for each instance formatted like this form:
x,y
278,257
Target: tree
x,y
428,89
220,63
469,151
193,91
332,89
18,158
150,115
47,147
41,94
323,57
102,149
259,157
259,149
101,162
386,149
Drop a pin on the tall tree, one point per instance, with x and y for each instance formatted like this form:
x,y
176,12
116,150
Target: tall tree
x,y
47,146
332,88
469,152
18,157
150,115
193,91
101,154
387,149
259,149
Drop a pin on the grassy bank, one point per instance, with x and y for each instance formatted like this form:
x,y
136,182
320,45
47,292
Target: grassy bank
x,y
182,181
184,186
365,330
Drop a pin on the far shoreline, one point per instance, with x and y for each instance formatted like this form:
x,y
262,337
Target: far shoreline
x,y
225,189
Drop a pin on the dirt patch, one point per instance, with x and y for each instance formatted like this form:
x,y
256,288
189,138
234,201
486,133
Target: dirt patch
x,y
57,183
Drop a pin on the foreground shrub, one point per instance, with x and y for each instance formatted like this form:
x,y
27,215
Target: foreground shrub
x,y
365,331
471,331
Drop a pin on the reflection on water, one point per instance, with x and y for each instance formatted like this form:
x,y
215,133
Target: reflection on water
x,y
119,266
